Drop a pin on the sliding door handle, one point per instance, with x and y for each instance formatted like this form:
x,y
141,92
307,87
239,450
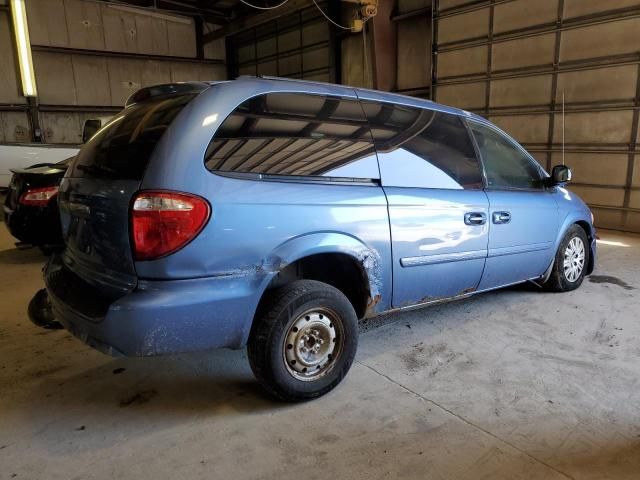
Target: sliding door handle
x,y
475,218
501,217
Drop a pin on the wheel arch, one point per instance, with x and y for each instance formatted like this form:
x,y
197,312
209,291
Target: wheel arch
x,y
588,230
585,224
337,259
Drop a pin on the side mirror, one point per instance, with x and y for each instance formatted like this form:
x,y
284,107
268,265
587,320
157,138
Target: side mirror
x,y
560,175
90,128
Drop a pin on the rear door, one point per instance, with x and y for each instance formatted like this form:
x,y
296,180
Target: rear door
x,y
437,207
96,192
523,213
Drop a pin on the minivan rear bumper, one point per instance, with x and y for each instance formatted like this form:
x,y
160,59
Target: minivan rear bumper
x,y
163,317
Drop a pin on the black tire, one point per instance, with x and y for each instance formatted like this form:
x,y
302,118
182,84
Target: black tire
x,y
270,346
40,312
559,281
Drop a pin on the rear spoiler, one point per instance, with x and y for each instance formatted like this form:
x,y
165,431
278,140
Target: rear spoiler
x,y
164,90
63,165
33,169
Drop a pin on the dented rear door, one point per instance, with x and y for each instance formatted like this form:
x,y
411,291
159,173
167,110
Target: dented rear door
x,y
437,207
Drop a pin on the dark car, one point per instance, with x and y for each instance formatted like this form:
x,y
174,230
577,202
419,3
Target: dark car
x,y
31,205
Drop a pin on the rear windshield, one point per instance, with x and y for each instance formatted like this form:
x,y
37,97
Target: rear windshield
x,y
123,147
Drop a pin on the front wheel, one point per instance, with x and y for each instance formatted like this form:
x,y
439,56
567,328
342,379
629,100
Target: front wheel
x,y
572,259
304,340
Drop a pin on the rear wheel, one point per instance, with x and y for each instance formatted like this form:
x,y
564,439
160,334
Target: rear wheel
x,y
304,340
571,261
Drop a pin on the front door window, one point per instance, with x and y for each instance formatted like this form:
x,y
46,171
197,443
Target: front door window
x,y
506,165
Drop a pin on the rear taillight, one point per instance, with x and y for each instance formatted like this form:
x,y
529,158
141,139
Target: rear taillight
x,y
163,222
38,197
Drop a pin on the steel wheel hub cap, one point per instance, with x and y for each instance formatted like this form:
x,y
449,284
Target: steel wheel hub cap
x,y
311,345
574,256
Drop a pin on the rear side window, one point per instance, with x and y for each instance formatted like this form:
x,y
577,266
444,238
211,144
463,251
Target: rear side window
x,y
423,148
506,165
124,146
293,134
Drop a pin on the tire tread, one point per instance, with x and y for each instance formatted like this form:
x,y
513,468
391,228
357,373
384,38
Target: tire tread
x,y
557,282
268,319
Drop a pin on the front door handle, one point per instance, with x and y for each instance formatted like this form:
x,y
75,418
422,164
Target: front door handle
x,y
501,217
475,218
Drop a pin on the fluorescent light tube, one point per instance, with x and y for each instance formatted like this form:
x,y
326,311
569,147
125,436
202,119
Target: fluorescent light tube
x,y
21,32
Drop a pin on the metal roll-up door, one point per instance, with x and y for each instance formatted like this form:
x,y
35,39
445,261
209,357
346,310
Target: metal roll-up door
x,y
514,60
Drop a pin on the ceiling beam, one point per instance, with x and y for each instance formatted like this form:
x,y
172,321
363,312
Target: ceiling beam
x,y
172,7
195,8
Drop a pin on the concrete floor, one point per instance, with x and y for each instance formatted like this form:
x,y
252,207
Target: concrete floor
x,y
510,384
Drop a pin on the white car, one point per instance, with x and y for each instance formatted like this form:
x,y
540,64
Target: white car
x,y
25,155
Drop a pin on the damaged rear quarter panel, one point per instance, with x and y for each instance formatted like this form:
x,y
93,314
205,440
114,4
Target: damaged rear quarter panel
x,y
257,227
378,272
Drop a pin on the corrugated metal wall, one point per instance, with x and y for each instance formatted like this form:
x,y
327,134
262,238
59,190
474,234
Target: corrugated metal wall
x,y
296,46
413,19
89,57
513,60
98,26
409,41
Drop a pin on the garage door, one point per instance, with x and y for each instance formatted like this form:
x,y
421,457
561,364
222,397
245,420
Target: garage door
x,y
295,46
513,61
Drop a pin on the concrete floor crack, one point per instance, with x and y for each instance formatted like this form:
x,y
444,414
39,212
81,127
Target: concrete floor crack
x,y
468,422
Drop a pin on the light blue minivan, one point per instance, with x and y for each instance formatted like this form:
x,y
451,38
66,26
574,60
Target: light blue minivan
x,y
275,213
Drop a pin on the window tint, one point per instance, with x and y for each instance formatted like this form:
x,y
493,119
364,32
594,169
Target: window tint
x,y
124,146
505,164
295,134
423,148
